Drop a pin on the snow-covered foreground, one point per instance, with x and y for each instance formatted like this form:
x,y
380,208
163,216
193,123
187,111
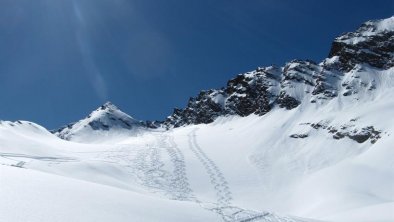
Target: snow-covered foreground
x,y
146,178
282,166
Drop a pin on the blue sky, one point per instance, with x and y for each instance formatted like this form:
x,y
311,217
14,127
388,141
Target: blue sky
x,y
60,59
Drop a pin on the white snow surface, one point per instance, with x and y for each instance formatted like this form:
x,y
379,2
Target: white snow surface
x,y
235,169
385,24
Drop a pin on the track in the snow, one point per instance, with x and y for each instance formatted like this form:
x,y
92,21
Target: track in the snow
x,y
154,174
150,171
216,177
179,185
223,206
170,178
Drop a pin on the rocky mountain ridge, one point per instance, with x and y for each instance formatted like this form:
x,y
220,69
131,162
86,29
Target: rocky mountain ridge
x,y
347,72
259,91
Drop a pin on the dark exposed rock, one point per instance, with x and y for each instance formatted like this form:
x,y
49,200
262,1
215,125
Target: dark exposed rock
x,y
247,95
360,47
349,130
244,95
286,101
317,125
298,136
201,109
364,134
360,138
338,135
347,93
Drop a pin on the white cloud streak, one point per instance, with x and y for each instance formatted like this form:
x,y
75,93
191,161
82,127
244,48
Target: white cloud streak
x,y
92,70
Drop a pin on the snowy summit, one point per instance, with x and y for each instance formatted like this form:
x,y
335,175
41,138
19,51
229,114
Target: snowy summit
x,y
104,120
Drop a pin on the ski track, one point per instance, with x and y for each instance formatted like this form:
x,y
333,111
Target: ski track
x,y
148,168
223,206
216,177
179,180
151,172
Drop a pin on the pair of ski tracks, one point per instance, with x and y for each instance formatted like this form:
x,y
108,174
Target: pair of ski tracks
x,y
223,206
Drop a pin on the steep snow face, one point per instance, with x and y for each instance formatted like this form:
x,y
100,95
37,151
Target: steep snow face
x,y
106,121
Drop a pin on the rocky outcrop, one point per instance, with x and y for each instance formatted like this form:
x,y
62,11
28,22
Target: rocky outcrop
x,y
250,93
372,43
349,130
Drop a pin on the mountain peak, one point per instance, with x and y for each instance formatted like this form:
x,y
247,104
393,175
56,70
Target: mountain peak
x,y
109,106
380,25
367,30
106,117
370,44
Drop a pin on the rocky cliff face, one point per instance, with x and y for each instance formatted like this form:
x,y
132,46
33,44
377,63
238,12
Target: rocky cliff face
x,y
299,81
372,43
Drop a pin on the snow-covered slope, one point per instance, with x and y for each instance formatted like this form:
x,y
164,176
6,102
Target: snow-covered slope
x,y
250,165
143,178
303,142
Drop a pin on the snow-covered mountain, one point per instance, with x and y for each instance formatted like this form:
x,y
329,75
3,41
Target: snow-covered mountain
x,y
105,122
304,142
350,70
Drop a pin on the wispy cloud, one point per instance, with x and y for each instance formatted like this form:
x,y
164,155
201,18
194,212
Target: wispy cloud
x,y
92,70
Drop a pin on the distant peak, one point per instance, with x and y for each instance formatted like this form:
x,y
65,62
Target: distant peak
x,y
107,118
